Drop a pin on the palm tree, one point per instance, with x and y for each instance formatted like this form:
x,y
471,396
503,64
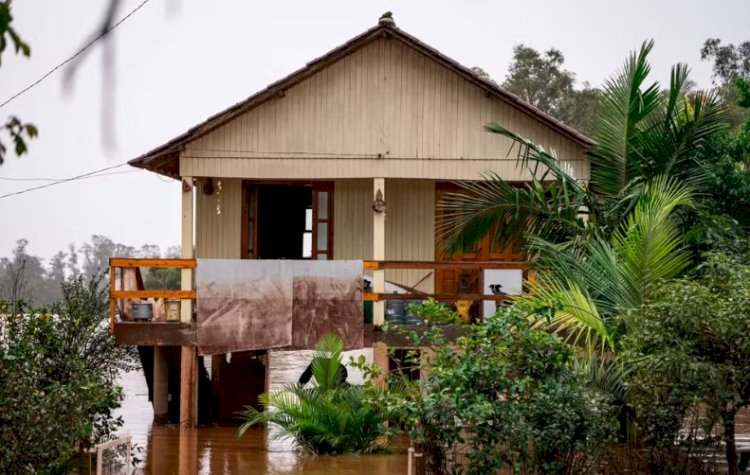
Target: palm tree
x,y
642,134
598,280
329,417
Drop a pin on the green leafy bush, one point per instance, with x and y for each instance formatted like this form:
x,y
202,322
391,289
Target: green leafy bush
x,y
329,417
435,313
690,347
57,373
507,396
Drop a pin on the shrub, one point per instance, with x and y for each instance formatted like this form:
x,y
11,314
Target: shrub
x,y
329,417
690,346
433,312
507,395
57,373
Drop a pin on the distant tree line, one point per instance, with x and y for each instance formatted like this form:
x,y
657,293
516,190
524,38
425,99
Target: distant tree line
x,y
38,281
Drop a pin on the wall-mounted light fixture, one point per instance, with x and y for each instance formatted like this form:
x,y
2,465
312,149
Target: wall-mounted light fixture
x,y
378,205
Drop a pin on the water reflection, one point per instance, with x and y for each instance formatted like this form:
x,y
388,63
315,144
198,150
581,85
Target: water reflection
x,y
217,450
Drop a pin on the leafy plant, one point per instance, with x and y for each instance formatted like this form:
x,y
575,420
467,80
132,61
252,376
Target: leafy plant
x,y
57,388
506,395
329,417
434,312
642,135
690,346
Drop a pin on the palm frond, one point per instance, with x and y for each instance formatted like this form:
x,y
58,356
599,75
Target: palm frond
x,y
649,245
327,360
680,128
596,280
626,103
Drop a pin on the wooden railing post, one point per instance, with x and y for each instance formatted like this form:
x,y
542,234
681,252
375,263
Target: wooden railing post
x,y
378,249
189,354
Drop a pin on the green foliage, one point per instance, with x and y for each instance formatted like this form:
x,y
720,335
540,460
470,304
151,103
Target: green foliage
x,y
57,388
596,280
539,79
731,66
552,205
327,417
722,216
434,312
506,395
8,34
29,278
164,279
691,346
642,135
18,131
730,61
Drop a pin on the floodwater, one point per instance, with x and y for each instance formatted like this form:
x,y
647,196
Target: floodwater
x,y
167,450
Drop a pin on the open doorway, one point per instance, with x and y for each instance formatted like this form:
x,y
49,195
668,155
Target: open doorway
x,y
281,221
288,221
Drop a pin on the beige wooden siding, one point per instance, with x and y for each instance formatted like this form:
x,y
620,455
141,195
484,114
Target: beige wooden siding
x,y
386,110
409,225
352,219
410,229
218,236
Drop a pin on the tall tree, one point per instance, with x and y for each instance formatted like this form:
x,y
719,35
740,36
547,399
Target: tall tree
x,y
730,61
641,134
540,79
731,74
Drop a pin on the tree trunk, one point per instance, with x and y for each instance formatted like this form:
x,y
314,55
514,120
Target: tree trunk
x,y
731,448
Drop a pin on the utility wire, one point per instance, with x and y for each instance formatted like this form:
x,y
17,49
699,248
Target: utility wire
x,y
85,175
78,53
63,179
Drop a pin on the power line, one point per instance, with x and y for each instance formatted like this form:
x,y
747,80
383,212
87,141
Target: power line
x,y
78,53
78,177
63,179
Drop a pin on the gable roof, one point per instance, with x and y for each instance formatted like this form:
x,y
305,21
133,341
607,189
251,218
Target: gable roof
x,y
165,158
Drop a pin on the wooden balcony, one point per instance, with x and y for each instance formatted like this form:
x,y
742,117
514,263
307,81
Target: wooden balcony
x,y
183,333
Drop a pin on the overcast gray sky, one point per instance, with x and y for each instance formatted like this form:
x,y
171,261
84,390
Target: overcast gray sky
x,y
179,61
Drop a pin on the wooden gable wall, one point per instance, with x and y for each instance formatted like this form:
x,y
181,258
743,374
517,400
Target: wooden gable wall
x,y
385,110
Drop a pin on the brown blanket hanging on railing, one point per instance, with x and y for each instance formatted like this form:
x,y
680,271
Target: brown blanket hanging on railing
x,y
277,304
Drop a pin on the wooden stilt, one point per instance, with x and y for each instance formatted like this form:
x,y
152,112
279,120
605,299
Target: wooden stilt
x,y
189,387
161,384
189,356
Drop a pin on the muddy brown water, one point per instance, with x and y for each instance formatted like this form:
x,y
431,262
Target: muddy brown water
x,y
167,450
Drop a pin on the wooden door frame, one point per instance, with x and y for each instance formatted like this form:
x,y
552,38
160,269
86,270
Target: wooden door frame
x,y
251,186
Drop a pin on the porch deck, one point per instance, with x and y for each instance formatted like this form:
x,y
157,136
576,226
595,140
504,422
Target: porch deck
x,y
183,332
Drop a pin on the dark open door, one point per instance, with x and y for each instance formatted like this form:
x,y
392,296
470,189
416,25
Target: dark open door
x,y
288,221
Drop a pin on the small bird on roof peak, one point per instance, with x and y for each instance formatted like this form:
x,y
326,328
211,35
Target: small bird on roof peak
x,y
388,14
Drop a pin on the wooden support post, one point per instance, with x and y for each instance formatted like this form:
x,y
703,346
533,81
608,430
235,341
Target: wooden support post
x,y
161,384
380,358
189,387
189,356
378,250
186,250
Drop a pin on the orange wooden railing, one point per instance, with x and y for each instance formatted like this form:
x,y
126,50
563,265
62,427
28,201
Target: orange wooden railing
x,y
125,263
438,265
